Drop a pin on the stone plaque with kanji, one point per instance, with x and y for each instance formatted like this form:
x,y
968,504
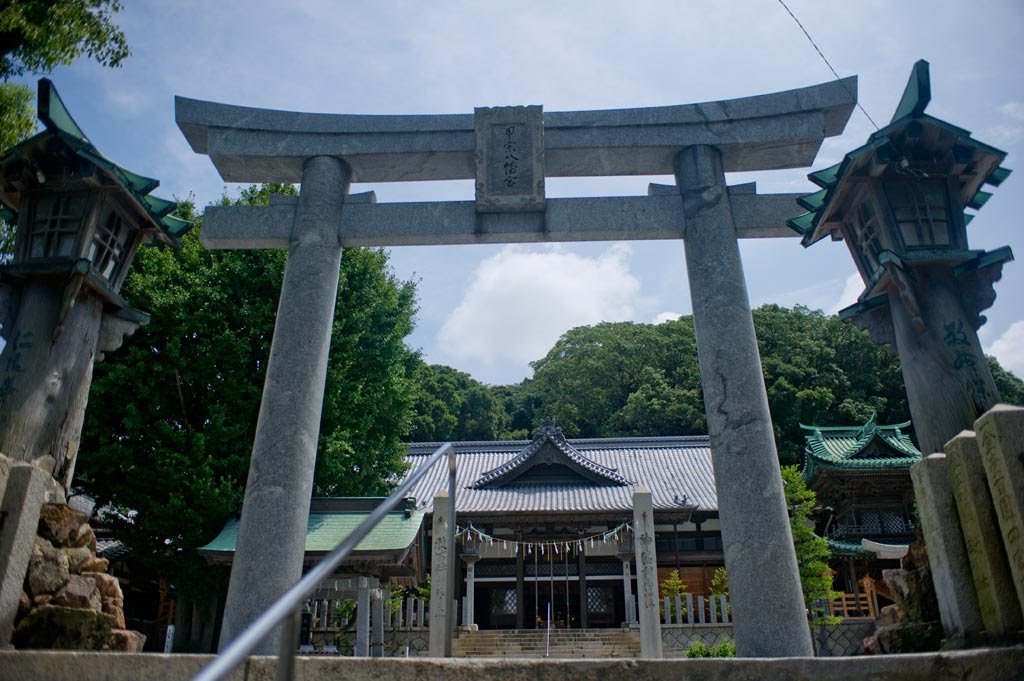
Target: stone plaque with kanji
x,y
509,158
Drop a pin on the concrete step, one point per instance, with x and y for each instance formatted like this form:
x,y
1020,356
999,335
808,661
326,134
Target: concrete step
x,y
559,643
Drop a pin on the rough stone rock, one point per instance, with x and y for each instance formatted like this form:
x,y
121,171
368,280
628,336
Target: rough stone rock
x,y
47,568
122,640
53,626
79,592
107,584
42,599
115,608
892,614
869,646
914,592
84,536
59,522
77,557
24,604
95,565
913,637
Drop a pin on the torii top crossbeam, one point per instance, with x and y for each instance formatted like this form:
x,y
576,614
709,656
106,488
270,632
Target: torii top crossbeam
x,y
764,132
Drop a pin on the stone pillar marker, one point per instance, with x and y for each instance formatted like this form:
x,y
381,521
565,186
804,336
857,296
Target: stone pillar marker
x,y
377,624
951,572
275,512
646,573
440,597
362,646
468,618
764,583
1001,439
1000,613
627,589
22,491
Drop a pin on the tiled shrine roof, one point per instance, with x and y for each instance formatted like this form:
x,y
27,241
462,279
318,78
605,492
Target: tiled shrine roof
x,y
677,470
331,520
869,447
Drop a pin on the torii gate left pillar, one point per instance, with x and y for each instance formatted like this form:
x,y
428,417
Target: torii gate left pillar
x,y
280,481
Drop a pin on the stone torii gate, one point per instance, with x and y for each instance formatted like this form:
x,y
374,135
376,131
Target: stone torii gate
x,y
509,151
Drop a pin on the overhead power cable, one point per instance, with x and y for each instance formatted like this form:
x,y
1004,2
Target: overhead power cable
x,y
827,63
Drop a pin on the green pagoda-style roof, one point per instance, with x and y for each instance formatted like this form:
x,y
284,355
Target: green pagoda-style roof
x,y
977,163
865,448
331,520
60,126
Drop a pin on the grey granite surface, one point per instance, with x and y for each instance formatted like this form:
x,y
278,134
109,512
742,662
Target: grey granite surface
x,y
764,584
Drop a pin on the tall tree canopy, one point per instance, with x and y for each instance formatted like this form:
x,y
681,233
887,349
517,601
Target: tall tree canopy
x,y
39,35
172,415
452,405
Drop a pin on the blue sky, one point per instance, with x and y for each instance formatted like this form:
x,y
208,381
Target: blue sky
x,y
490,310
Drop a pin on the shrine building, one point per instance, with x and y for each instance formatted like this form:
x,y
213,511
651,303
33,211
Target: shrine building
x,y
539,522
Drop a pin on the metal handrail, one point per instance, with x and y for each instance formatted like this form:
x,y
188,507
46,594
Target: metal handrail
x,y
285,609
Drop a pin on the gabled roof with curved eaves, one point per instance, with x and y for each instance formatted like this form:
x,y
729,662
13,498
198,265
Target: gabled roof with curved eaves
x,y
549,448
865,448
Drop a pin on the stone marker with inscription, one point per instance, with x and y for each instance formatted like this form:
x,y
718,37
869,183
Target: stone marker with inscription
x,y
1001,440
951,572
993,584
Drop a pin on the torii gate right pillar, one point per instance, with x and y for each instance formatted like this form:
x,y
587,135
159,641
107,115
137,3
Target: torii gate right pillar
x,y
764,583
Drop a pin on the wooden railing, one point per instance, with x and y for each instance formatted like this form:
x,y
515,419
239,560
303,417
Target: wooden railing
x,y
862,605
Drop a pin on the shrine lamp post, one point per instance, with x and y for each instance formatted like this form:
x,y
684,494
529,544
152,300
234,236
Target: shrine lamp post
x,y
898,202
80,218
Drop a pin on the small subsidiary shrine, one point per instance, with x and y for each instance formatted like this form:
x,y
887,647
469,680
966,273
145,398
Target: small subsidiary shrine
x,y
861,475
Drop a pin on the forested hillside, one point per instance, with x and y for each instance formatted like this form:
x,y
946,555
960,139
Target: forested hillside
x,y
621,379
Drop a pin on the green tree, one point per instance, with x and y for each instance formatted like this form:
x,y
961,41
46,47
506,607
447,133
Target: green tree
x,y
812,551
172,415
1011,388
17,122
672,587
452,405
822,371
720,582
39,35
17,114
621,379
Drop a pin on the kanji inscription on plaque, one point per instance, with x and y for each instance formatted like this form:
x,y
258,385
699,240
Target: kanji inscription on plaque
x,y
509,158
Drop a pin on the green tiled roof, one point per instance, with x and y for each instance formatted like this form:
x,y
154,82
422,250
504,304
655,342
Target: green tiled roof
x,y
847,448
909,112
848,548
324,531
59,123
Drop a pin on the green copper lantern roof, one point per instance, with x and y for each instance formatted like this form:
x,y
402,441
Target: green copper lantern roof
x,y
883,148
327,527
866,448
60,125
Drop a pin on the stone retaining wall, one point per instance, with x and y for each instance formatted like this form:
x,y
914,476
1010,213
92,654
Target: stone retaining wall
x,y
832,641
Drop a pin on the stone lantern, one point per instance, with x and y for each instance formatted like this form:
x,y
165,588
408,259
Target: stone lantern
x,y
79,219
899,202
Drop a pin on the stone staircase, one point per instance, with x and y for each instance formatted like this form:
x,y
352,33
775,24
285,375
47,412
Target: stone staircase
x,y
565,643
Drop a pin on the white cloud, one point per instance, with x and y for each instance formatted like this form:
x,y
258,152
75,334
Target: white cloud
x,y
853,288
1009,348
520,301
1014,110
663,317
